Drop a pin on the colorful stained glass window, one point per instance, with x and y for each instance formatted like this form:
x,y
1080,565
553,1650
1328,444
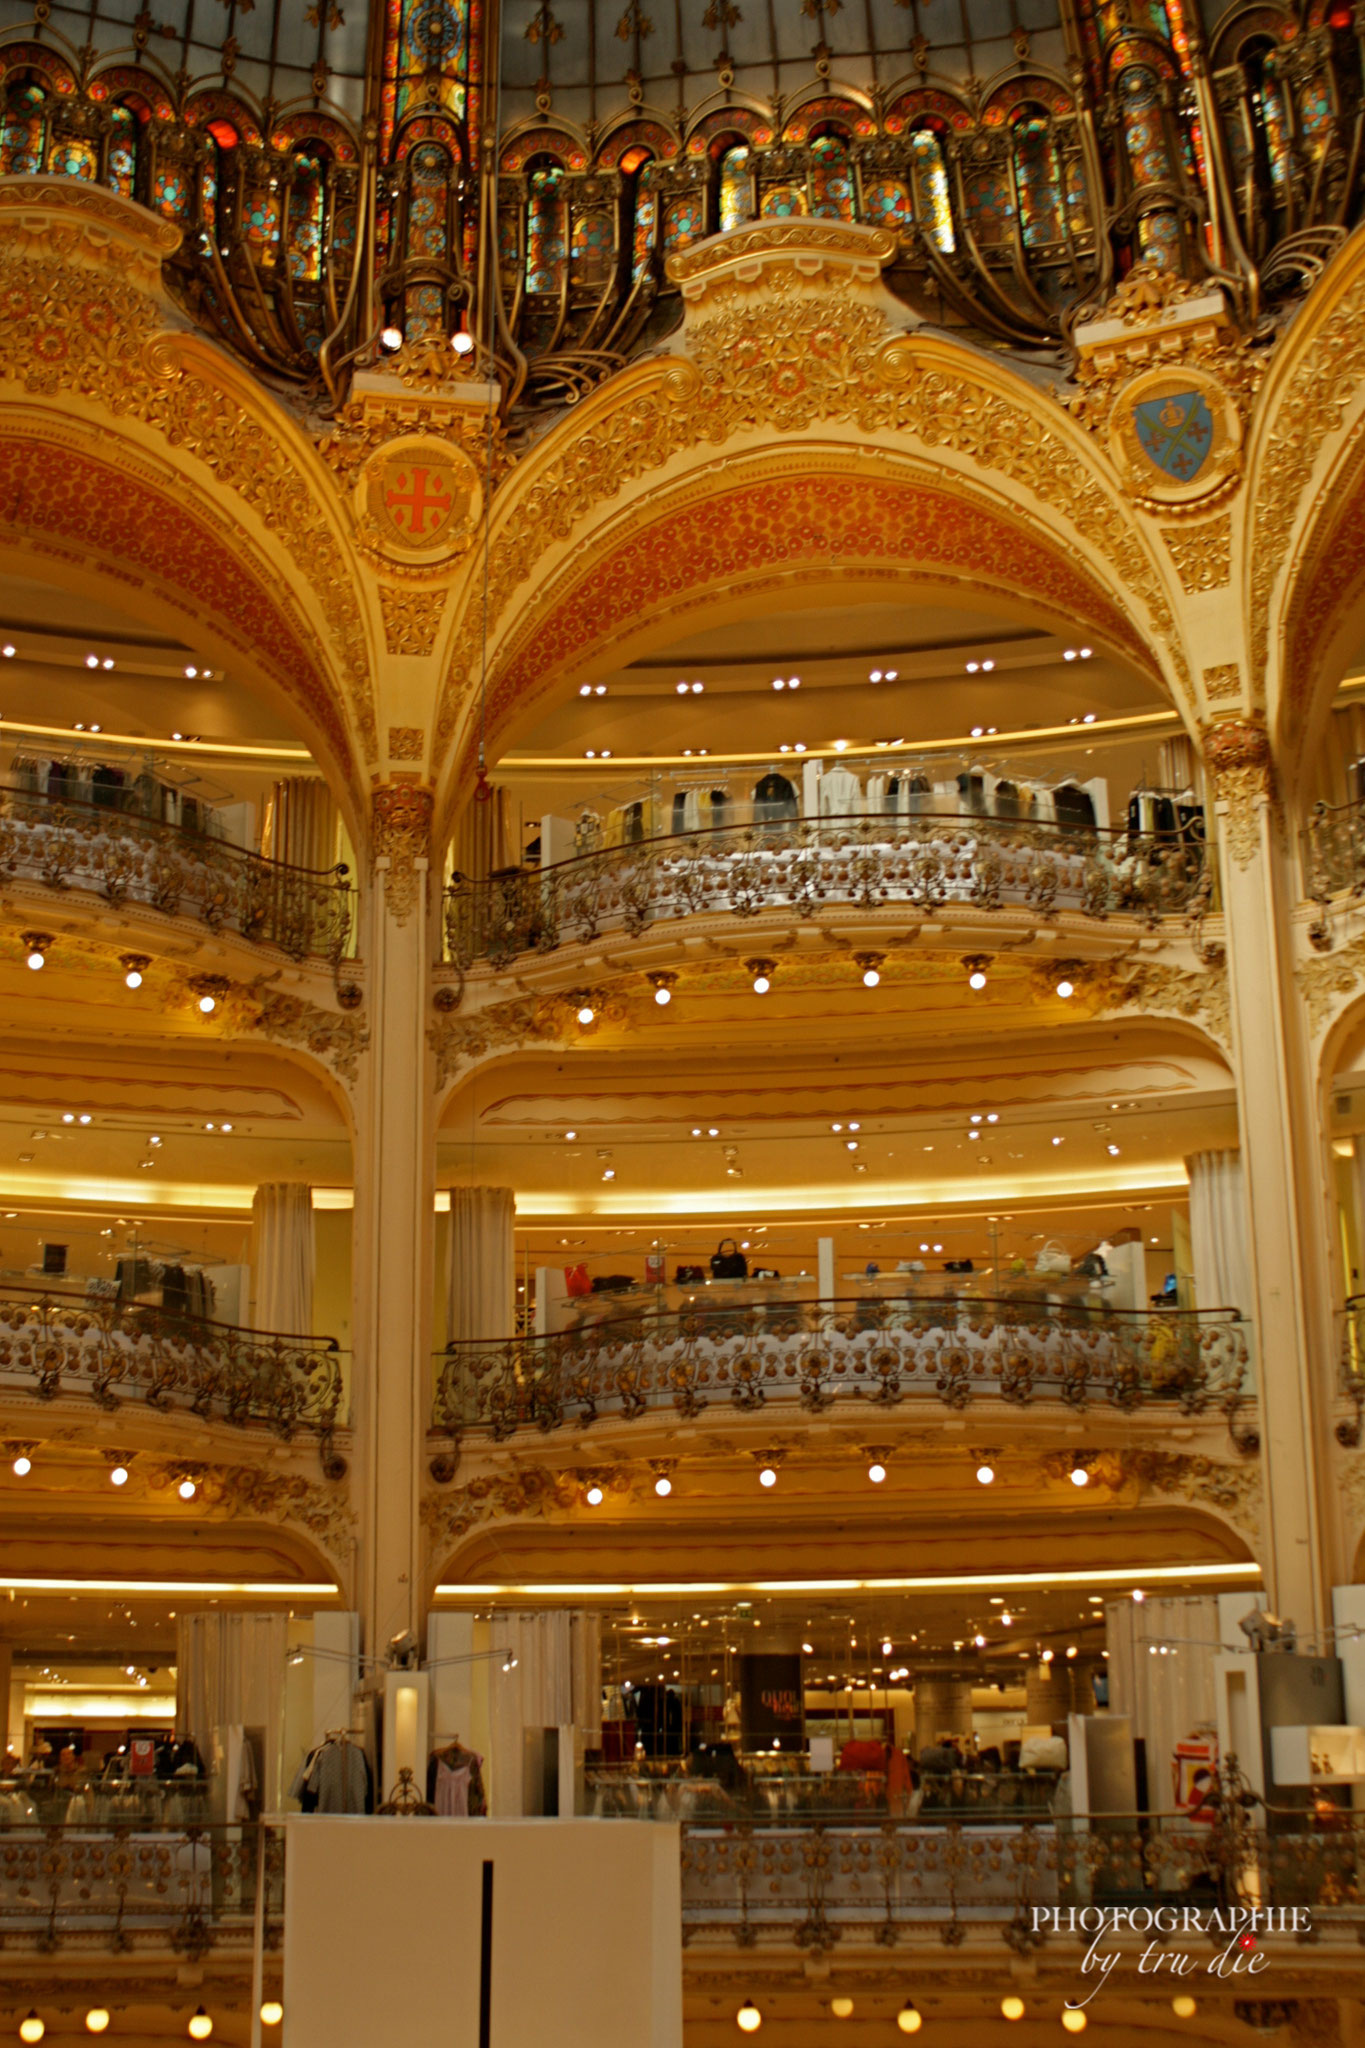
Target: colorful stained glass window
x,y
307,197
1315,115
73,159
428,61
123,150
1269,103
424,307
932,208
781,200
592,248
23,131
831,179
736,189
646,223
546,230
261,221
168,194
886,204
1159,240
428,192
683,224
1037,177
1144,134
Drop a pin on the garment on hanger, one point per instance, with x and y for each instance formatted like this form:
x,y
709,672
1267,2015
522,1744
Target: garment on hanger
x,y
1075,807
334,1778
1010,801
971,788
455,1784
841,793
774,797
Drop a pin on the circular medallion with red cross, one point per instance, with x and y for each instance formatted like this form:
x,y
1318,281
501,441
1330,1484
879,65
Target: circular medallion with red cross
x,y
419,499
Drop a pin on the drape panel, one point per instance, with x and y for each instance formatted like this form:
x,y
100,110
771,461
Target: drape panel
x,y
230,1669
282,1249
481,1297
1218,1231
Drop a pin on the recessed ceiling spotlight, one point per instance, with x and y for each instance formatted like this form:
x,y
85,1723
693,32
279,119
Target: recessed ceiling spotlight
x,y
875,676
1068,654
793,682
976,732
697,689
1089,718
799,747
585,689
92,661
972,667
682,689
891,675
8,651
779,682
1085,654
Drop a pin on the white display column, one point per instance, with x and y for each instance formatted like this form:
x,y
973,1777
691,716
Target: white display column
x,y
482,1292
395,1196
1282,1168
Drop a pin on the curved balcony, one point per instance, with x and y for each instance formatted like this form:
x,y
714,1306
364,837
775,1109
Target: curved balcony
x,y
125,858
808,1356
54,1344
805,866
148,1870
1333,843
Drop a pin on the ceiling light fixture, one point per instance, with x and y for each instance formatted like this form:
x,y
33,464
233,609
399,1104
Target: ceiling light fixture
x,y
200,2026
31,2028
748,2019
272,2012
119,1476
97,2020
842,2006
187,1489
976,965
985,1475
462,343
663,985
35,948
768,1476
134,966
871,965
1012,2007
22,1465
762,972
8,651
594,1495
909,2019
391,338
1066,987
663,1486
876,1472
1074,2020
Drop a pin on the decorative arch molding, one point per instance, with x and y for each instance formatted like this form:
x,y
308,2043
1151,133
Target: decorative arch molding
x,y
1308,420
1323,620
91,338
165,555
820,381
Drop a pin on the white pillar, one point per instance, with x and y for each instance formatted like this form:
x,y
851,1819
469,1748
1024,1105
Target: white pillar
x,y
395,1180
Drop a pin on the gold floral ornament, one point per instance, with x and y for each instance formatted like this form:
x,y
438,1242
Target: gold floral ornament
x,y
1237,752
402,837
418,501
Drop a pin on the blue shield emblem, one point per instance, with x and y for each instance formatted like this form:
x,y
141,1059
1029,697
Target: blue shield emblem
x,y
1176,433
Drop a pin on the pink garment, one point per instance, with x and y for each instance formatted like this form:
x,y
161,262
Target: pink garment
x,y
452,1791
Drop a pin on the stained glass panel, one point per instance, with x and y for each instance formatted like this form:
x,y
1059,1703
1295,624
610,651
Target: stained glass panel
x,y
781,200
1037,177
545,231
429,174
123,150
23,131
932,208
886,204
682,224
73,159
831,179
306,200
646,221
592,248
736,195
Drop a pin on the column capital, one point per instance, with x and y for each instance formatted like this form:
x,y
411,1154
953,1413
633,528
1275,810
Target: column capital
x,y
1238,755
401,818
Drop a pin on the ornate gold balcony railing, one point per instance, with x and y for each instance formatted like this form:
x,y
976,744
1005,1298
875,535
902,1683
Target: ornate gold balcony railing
x,y
814,1883
130,859
810,1355
807,865
54,1344
147,1872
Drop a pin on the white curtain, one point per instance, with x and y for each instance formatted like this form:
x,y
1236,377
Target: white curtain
x,y
1218,1231
555,1683
282,1246
229,1670
481,1295
1167,1698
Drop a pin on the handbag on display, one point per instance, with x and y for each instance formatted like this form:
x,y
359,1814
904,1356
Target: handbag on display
x,y
577,1281
729,1264
1053,1259
689,1276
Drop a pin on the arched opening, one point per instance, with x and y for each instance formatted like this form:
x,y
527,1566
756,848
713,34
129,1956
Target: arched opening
x,y
23,132
734,185
932,206
831,176
546,227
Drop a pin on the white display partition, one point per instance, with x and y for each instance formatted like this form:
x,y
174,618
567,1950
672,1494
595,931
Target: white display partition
x,y
407,1729
384,1933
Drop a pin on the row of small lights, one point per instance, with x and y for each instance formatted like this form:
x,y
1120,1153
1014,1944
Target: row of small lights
x,y
134,967
118,1476
763,971
910,2019
97,2020
876,1472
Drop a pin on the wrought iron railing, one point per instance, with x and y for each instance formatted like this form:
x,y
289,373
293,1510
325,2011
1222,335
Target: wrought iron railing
x,y
54,1343
1334,850
126,858
810,1354
123,1884
805,865
813,1884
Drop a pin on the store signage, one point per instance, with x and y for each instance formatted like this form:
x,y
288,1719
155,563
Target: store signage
x,y
771,1702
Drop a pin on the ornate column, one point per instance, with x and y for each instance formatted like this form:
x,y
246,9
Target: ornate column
x,y
1282,1169
395,1193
